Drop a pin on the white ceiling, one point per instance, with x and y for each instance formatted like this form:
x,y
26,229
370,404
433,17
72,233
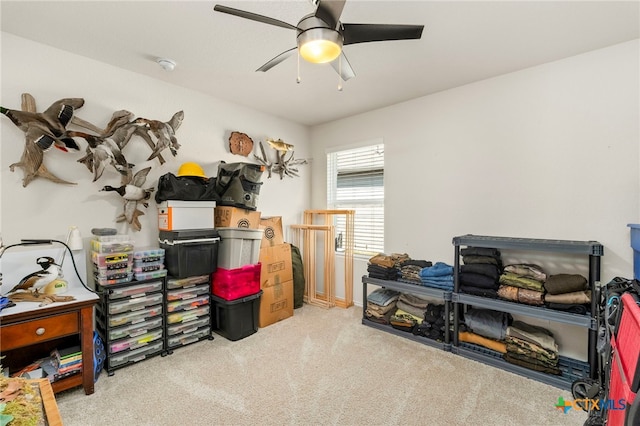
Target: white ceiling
x,y
218,53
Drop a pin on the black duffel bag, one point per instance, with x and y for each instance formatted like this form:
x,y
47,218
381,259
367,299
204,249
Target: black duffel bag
x,y
186,188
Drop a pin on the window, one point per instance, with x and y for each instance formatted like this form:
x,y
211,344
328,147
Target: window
x,y
355,181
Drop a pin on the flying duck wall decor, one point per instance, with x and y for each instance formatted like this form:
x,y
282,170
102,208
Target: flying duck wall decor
x,y
49,129
42,131
104,149
132,192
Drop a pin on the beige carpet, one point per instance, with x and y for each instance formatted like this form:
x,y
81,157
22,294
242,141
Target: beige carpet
x,y
320,367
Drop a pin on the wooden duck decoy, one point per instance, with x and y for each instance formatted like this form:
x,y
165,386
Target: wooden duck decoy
x,y
165,133
39,279
133,193
32,158
103,151
49,128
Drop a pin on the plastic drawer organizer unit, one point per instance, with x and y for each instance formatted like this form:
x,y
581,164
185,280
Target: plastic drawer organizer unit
x,y
130,319
188,310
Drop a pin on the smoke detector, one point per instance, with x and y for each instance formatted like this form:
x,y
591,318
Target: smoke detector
x,y
166,64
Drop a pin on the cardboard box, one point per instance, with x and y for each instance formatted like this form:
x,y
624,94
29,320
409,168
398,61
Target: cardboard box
x,y
276,303
234,217
273,234
277,266
276,282
174,215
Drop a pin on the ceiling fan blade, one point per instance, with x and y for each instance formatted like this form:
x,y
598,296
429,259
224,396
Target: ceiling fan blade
x,y
253,16
364,33
275,61
343,67
329,11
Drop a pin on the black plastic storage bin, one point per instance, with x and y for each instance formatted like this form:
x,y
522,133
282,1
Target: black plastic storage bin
x,y
190,252
235,319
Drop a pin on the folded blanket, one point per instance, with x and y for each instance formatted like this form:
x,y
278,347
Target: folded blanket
x,y
478,280
572,308
382,260
380,319
521,295
413,300
533,334
383,296
488,269
527,270
380,310
469,337
576,297
400,314
521,346
480,251
416,262
488,323
530,364
439,269
484,292
385,319
509,278
468,259
565,283
413,310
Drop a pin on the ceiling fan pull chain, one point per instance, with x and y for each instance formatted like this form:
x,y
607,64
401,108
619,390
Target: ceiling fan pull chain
x,y
340,73
298,79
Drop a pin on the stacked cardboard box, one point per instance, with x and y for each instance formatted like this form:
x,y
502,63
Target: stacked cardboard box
x,y
234,217
276,277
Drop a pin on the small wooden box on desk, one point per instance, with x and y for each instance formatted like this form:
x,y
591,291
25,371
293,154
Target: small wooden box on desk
x,y
29,332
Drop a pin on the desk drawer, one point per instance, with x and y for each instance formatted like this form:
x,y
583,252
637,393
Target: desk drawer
x,y
39,330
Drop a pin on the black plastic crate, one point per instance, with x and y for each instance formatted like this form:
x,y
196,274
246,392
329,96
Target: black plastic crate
x,y
235,319
190,252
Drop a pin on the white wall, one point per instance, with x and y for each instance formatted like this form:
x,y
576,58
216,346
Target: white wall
x,y
45,210
546,152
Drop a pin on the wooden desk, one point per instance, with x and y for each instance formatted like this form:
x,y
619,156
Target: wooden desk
x,y
28,333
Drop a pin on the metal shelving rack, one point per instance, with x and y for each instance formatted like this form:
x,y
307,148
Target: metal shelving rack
x,y
570,368
418,290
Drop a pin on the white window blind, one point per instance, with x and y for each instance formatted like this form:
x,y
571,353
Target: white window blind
x,y
355,181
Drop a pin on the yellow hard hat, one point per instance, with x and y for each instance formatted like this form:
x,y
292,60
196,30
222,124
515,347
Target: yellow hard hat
x,y
191,169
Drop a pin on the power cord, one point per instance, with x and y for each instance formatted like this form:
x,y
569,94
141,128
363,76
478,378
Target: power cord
x,y
73,261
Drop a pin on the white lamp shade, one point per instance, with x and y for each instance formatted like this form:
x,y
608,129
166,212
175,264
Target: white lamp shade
x,y
74,240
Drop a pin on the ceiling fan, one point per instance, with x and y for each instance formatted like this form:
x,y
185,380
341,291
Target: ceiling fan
x,y
321,36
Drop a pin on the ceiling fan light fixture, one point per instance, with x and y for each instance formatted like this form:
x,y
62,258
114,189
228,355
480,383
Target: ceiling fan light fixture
x,y
320,45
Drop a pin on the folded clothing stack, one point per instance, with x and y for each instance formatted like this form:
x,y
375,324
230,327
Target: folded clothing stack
x,y
523,283
410,269
381,304
532,347
486,328
480,271
433,325
386,267
568,292
440,275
